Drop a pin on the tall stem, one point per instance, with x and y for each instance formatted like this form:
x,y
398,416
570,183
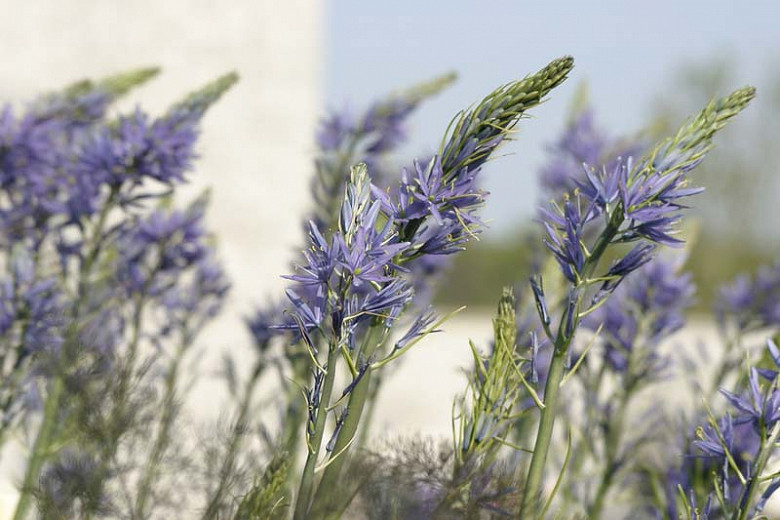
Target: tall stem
x,y
234,446
555,376
763,458
294,412
544,435
53,403
331,480
370,407
612,448
162,440
307,478
41,446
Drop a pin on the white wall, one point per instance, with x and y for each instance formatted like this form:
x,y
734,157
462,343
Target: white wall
x,y
257,141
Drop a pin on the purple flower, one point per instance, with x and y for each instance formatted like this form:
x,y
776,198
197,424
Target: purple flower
x,y
421,324
709,443
310,310
320,259
645,309
334,130
636,258
33,174
752,303
759,406
196,299
156,249
136,149
390,299
565,235
369,257
445,239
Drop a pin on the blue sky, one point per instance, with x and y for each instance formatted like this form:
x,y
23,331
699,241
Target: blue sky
x,y
627,51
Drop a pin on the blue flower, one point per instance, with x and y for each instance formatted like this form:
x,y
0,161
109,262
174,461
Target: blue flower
x,y
759,406
420,325
565,235
709,442
334,130
320,259
752,303
645,308
155,249
135,149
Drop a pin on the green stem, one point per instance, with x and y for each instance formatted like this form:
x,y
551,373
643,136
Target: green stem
x,y
294,414
544,435
41,446
612,449
52,407
294,418
370,408
234,446
307,478
763,458
163,431
324,504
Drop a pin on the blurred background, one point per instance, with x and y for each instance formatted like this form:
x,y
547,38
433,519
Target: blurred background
x,y
647,65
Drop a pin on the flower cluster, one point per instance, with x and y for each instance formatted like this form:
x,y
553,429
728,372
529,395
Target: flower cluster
x,y
154,250
644,310
345,139
31,309
360,274
349,279
451,206
630,201
633,206
87,259
752,303
740,444
136,149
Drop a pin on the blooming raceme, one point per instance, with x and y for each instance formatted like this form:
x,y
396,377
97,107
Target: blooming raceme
x,y
430,212
79,239
349,279
157,248
628,202
344,139
741,442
